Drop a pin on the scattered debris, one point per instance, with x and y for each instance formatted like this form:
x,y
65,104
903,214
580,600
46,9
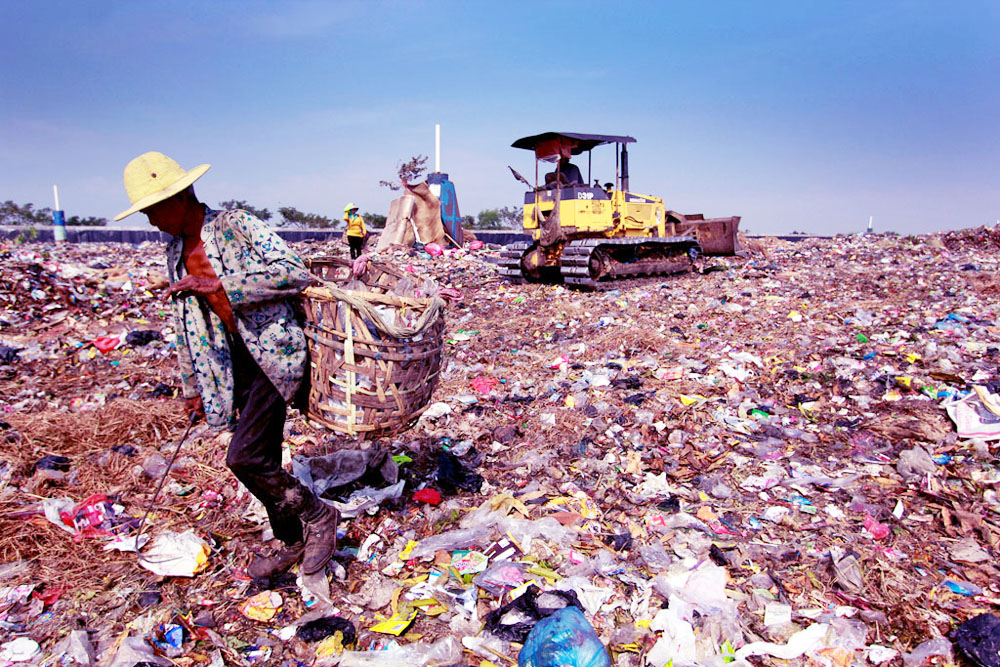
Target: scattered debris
x,y
792,456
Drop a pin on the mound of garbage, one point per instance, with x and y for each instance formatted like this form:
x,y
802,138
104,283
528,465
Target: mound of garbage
x,y
789,457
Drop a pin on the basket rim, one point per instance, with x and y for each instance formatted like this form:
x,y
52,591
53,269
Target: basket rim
x,y
315,292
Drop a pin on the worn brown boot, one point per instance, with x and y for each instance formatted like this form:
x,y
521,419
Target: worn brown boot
x,y
321,541
279,561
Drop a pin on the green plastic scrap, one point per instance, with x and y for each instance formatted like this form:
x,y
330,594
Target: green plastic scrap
x,y
728,652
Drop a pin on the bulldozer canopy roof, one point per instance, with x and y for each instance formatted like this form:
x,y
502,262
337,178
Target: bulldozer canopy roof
x,y
579,142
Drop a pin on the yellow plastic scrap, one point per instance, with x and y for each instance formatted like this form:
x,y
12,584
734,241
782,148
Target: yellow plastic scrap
x,y
397,623
413,581
407,550
262,607
626,648
430,606
550,575
519,591
691,399
395,600
583,506
807,409
332,645
515,543
728,651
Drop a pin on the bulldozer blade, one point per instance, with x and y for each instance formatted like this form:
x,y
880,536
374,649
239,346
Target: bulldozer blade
x,y
716,236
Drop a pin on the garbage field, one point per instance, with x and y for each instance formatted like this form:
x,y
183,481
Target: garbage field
x,y
788,458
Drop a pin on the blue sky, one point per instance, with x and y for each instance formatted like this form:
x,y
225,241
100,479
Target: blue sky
x,y
807,116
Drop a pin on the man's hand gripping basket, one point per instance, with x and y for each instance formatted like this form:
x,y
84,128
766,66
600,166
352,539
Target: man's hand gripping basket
x,y
374,355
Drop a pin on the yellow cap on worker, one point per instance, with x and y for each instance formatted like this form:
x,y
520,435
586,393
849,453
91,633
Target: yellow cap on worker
x,y
153,177
350,207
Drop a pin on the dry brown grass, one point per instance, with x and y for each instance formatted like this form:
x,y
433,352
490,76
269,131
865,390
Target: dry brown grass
x,y
96,582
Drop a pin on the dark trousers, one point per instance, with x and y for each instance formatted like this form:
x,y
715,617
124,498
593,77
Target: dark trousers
x,y
255,451
357,243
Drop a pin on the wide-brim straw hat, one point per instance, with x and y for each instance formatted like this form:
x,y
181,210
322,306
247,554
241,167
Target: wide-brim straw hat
x,y
350,207
153,177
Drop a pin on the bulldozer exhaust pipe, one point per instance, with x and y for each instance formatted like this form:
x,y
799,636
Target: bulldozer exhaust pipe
x,y
624,167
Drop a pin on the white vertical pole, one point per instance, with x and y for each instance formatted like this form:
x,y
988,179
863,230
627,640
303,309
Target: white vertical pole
x,y
870,218
437,147
55,193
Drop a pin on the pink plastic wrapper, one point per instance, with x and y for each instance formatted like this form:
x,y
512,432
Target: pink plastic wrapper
x,y
879,531
483,384
433,249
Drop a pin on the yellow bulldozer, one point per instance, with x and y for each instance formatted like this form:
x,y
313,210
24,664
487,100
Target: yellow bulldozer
x,y
592,236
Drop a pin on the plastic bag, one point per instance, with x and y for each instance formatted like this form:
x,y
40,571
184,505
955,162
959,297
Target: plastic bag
x,y
564,639
107,343
321,628
135,650
500,576
445,651
453,474
515,620
523,531
931,647
453,539
176,555
75,648
979,639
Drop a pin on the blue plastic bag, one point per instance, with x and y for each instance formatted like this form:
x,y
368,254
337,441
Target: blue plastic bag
x,y
564,639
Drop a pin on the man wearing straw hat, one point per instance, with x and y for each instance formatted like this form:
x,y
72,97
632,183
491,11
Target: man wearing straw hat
x,y
241,352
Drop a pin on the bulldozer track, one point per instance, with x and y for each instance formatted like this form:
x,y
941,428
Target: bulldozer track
x,y
577,257
678,256
510,262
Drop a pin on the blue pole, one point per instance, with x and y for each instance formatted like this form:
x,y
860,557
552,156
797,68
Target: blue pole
x,y
59,225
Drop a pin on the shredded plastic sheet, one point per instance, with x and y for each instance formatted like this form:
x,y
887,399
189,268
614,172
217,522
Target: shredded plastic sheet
x,y
173,554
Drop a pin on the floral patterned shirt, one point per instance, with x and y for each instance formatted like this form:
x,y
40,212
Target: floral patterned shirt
x,y
259,274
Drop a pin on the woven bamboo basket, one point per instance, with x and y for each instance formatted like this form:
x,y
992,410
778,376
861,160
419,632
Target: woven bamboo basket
x,y
372,374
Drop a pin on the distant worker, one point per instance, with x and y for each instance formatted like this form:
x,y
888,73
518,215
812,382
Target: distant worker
x,y
608,187
356,230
